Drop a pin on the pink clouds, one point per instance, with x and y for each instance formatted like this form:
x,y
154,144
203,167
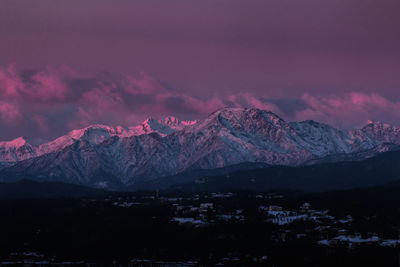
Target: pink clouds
x,y
9,112
141,84
10,82
102,100
47,85
53,101
248,99
350,110
44,85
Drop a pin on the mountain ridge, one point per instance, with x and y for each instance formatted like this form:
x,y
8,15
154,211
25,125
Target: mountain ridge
x,y
103,156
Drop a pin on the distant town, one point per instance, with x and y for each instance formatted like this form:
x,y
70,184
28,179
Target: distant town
x,y
231,228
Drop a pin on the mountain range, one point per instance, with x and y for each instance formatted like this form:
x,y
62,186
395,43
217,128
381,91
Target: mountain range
x,y
117,157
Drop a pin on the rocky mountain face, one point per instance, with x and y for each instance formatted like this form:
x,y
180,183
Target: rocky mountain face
x,y
22,148
103,156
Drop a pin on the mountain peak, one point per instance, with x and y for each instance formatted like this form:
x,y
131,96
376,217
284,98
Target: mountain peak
x,y
175,123
249,111
377,124
15,143
382,132
149,124
170,120
238,111
79,133
149,120
232,110
227,136
241,120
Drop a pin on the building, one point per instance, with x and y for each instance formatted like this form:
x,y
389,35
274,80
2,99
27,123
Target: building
x,y
206,206
305,206
274,208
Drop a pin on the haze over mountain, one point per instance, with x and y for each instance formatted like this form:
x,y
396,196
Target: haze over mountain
x,y
103,156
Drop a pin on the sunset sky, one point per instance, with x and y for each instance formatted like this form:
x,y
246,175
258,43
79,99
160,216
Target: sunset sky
x,y
68,64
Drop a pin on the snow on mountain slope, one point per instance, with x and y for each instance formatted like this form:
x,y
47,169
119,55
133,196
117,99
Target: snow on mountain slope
x,y
16,150
77,163
163,127
93,134
96,134
382,132
102,155
234,135
356,156
322,140
21,148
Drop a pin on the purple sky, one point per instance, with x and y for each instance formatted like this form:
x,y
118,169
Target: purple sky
x,y
66,64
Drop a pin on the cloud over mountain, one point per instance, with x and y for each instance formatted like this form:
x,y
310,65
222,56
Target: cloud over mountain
x,y
54,100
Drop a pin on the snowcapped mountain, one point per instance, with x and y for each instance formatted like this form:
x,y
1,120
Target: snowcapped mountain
x,y
163,127
381,132
16,150
22,148
104,156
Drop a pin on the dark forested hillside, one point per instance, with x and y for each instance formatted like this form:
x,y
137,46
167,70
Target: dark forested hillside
x,y
32,189
378,170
